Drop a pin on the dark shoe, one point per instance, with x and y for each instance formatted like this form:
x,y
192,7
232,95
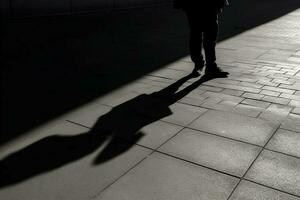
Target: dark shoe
x,y
215,71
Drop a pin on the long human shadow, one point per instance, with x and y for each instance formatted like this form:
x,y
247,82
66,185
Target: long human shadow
x,y
56,64
117,131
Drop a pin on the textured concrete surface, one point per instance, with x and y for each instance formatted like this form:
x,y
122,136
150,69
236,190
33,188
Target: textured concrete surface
x,y
235,126
214,152
277,170
163,177
286,142
249,191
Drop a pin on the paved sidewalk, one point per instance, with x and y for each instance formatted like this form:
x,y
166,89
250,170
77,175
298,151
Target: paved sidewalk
x,y
173,136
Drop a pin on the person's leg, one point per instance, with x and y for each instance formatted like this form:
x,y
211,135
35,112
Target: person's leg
x,y
209,42
195,42
210,36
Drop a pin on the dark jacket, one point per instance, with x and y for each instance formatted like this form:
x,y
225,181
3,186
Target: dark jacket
x,y
200,4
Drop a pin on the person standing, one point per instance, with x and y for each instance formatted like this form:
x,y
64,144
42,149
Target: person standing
x,y
204,27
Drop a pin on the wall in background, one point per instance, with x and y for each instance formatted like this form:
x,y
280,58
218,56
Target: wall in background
x,y
23,8
4,8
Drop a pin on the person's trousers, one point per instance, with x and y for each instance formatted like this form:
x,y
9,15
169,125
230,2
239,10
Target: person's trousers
x,y
204,30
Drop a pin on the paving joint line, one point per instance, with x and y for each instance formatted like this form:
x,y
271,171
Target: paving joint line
x,y
117,179
78,124
221,136
198,164
289,129
261,150
157,76
286,154
182,128
271,188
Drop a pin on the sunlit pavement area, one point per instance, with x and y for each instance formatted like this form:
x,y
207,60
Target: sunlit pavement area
x,y
225,138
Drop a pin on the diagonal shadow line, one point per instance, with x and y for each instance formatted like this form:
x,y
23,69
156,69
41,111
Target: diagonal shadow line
x,y
60,63
119,129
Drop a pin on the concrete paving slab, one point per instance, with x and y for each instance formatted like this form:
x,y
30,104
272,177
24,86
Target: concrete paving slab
x,y
296,111
147,88
278,171
295,103
285,141
156,133
276,100
184,114
169,73
235,126
253,96
223,96
78,180
250,111
233,92
291,122
212,151
116,98
276,113
256,103
193,99
164,177
57,127
182,66
88,115
251,191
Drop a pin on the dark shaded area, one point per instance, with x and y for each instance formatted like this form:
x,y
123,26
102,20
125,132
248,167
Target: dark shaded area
x,y
55,64
122,123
